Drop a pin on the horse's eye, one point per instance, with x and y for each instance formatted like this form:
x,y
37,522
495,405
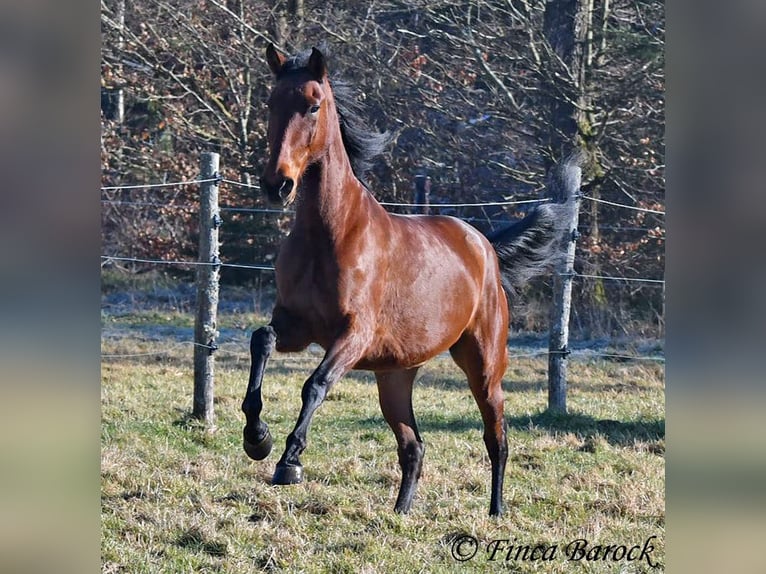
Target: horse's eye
x,y
314,109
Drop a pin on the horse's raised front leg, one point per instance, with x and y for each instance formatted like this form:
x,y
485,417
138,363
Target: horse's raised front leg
x,y
338,360
256,436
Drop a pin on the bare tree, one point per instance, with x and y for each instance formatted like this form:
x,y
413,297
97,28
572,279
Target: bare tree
x,y
466,87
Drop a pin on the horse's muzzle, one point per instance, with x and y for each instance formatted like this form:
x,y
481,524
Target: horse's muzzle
x,y
278,189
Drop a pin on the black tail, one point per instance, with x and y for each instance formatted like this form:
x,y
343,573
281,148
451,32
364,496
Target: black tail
x,y
531,246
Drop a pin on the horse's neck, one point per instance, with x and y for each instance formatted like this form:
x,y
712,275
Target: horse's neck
x,y
332,198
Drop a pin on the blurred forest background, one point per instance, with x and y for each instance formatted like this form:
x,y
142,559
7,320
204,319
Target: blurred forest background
x,y
466,88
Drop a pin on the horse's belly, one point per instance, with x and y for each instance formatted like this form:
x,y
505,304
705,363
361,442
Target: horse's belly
x,y
391,362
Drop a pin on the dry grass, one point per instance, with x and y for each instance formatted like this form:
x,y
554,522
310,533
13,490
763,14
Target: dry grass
x,y
176,498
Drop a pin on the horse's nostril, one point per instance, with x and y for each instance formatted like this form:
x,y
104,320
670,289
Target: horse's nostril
x,y
270,189
286,187
277,188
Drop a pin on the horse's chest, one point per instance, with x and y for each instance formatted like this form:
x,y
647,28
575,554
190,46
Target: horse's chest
x,y
320,282
308,286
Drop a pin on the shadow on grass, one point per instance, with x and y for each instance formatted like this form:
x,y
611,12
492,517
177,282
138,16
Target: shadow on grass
x,y
585,427
618,433
196,541
460,384
425,423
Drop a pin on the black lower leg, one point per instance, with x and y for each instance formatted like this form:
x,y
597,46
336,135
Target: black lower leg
x,y
498,454
411,463
257,440
289,469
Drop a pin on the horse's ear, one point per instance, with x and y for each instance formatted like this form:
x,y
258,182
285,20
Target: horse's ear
x,y
317,64
274,58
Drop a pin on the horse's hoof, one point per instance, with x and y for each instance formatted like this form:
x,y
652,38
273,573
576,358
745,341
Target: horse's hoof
x,y
257,450
287,474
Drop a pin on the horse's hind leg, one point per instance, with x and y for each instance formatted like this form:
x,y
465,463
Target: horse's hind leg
x,y
485,376
257,440
395,394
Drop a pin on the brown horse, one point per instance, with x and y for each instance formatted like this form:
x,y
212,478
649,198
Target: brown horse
x,y
377,291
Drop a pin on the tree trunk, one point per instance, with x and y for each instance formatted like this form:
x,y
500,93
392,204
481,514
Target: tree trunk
x,y
119,105
288,23
565,27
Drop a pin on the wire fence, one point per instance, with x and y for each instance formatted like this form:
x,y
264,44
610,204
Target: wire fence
x,y
158,185
107,258
242,352
384,203
285,211
265,267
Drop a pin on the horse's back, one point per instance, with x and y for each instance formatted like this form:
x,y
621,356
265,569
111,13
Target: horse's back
x,y
447,246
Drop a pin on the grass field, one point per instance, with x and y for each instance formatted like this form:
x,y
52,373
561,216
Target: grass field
x,y
176,498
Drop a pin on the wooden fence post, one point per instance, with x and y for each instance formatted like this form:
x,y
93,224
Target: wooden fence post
x,y
558,343
208,273
422,194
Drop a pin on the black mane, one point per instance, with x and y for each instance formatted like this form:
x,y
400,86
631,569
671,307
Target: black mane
x,y
362,143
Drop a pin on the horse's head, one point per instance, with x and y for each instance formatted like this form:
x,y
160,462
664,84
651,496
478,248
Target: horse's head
x,y
299,105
